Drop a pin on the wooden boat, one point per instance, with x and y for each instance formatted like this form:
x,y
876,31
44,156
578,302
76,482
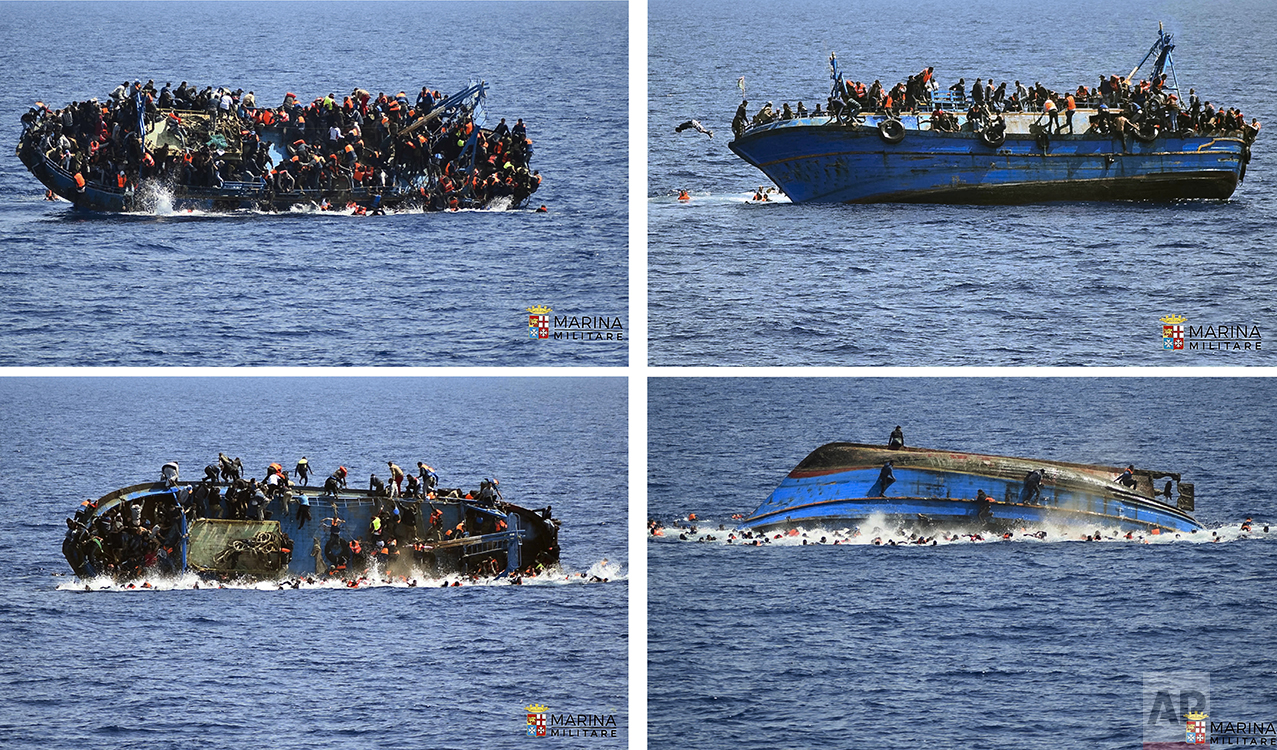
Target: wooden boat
x,y
843,485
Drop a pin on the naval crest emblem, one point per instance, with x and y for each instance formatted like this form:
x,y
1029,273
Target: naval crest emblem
x,y
539,322
536,720
1173,331
1195,729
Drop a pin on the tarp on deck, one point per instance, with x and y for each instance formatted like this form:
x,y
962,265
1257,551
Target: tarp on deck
x,y
239,547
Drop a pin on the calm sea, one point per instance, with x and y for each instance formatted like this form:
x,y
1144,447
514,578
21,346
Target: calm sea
x,y
1022,644
1063,284
251,289
390,666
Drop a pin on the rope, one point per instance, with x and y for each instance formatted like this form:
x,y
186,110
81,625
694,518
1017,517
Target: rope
x,y
263,543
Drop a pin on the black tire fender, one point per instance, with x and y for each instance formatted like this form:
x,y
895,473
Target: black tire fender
x,y
1144,137
993,139
891,130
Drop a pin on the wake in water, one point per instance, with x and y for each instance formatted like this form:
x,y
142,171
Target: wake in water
x,y
602,571
877,530
154,198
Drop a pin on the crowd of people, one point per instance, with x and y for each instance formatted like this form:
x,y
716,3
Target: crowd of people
x,y
387,146
126,539
132,537
1123,106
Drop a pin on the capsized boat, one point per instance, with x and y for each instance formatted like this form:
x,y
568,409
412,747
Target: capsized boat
x,y
945,150
163,528
141,149
842,485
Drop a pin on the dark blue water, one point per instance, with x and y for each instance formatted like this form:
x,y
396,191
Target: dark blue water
x,y
1063,284
1020,644
387,666
247,289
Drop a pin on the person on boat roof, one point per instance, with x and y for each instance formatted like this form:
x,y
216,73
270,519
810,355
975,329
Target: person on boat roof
x,y
1127,478
897,439
741,120
429,479
335,481
396,476
303,471
765,115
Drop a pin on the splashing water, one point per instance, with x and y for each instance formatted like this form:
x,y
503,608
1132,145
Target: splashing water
x,y
153,197
877,530
600,572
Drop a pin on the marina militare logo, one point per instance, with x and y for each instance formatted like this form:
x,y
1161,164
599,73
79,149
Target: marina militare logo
x,y
1177,335
536,720
542,723
1173,332
571,327
1195,729
539,322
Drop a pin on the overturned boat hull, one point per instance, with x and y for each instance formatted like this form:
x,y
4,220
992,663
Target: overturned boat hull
x,y
501,538
838,486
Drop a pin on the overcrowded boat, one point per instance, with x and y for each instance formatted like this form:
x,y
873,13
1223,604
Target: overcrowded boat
x,y
227,527
218,149
1126,138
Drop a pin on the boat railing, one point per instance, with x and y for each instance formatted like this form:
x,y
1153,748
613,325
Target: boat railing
x,y
949,100
53,166
488,543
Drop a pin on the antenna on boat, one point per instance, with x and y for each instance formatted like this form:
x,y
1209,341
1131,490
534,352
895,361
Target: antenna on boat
x,y
1162,48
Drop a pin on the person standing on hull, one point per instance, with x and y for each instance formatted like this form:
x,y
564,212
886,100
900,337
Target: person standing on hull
x,y
1032,494
303,471
396,478
897,439
303,511
258,501
429,479
1127,478
336,481
982,510
169,474
227,467
886,477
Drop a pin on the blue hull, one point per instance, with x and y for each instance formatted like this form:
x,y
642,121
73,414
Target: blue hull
x,y
838,486
816,162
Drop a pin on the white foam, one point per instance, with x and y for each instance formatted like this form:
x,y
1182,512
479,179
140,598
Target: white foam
x,y
599,572
878,530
